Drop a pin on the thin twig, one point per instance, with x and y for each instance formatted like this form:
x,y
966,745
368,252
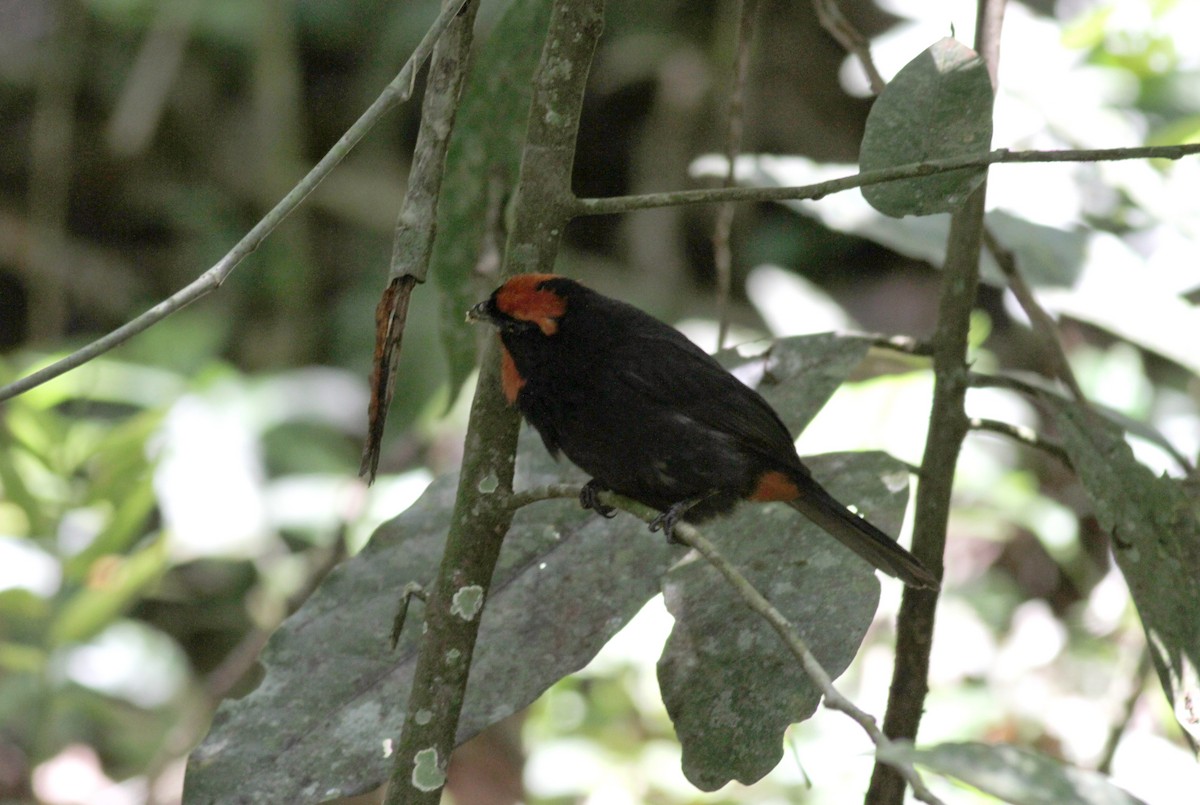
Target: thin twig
x,y
735,127
690,536
1036,391
1136,684
833,698
853,42
1043,324
1024,435
398,91
713,195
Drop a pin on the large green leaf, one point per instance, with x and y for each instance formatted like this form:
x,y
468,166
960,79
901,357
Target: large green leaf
x,y
729,683
939,105
1013,774
481,168
334,691
1155,528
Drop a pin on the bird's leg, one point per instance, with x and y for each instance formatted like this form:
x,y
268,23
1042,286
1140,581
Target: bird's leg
x,y
667,520
589,498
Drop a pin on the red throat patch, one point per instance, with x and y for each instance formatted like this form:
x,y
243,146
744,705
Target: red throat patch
x,y
510,379
522,299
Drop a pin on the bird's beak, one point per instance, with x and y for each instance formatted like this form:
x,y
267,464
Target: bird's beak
x,y
478,313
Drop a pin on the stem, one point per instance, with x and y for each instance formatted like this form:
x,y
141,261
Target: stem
x,y
735,127
1024,435
948,425
853,42
1041,321
482,513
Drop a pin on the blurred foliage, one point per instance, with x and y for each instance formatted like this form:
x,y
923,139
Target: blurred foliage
x,y
162,509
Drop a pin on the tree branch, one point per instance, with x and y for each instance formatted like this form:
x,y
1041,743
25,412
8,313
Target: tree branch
x,y
416,227
1043,324
212,279
833,698
693,538
482,514
948,426
853,42
398,91
713,195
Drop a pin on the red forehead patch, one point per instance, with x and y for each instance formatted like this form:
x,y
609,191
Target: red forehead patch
x,y
522,299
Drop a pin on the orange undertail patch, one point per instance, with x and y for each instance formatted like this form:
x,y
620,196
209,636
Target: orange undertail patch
x,y
774,485
510,379
522,298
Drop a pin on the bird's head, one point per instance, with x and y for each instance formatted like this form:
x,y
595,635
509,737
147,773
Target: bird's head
x,y
527,303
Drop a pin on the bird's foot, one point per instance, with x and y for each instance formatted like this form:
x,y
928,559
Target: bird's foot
x,y
589,498
666,521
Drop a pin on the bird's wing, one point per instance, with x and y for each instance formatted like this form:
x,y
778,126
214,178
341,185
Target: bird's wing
x,y
663,365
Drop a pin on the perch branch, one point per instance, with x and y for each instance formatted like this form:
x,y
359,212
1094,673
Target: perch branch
x,y
758,603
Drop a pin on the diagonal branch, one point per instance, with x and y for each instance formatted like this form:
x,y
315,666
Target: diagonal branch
x,y
757,602
833,698
398,91
853,42
1043,324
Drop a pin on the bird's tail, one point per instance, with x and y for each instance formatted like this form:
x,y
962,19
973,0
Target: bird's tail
x,y
857,534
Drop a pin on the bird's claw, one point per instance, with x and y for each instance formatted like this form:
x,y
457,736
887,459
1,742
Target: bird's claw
x,y
589,498
666,521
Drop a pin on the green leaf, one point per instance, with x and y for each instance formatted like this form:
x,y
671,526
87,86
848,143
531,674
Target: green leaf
x,y
1013,774
730,684
1155,530
334,691
938,106
801,373
481,168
